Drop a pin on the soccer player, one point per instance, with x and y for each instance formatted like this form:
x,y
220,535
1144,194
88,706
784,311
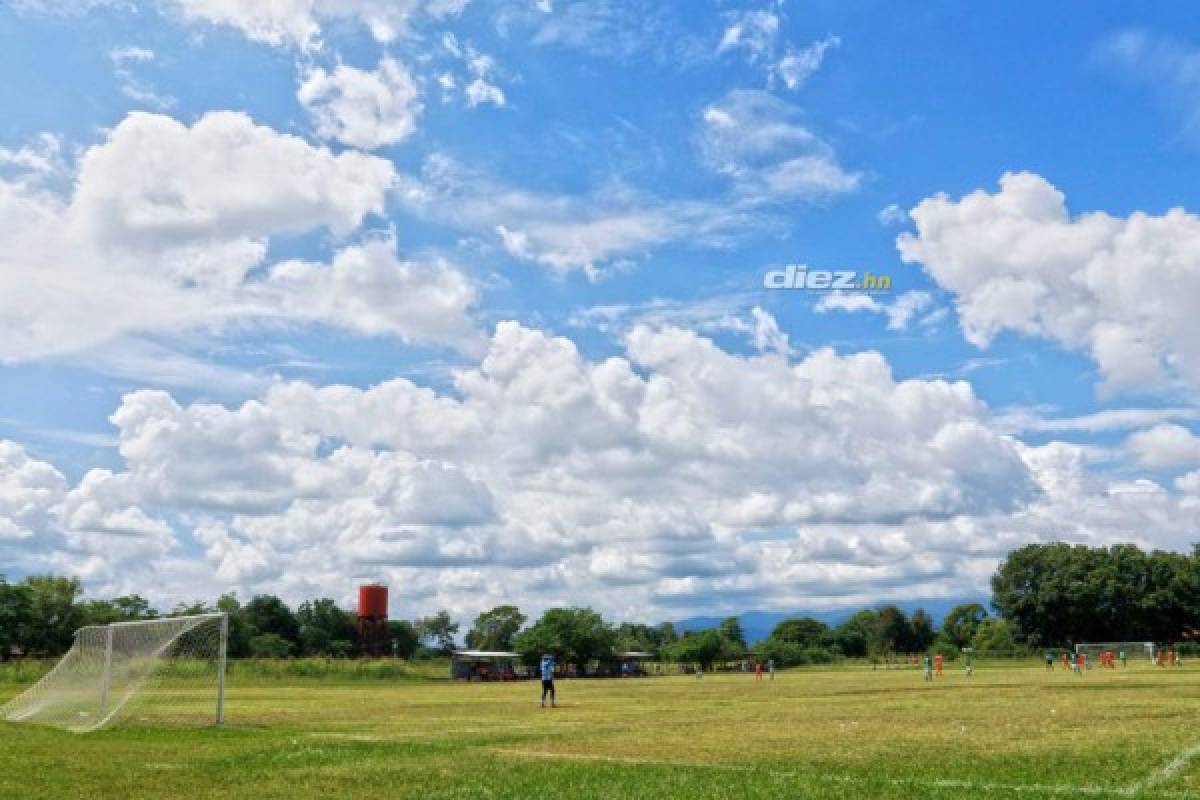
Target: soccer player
x,y
938,661
928,668
1066,660
1080,663
771,667
1050,660
758,671
547,670
1172,657
1124,658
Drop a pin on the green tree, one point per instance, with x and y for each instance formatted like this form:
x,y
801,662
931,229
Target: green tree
x,y
921,632
791,654
1047,592
1170,605
16,617
324,628
960,624
946,648
404,638
1056,594
119,609
191,609
731,629
703,647
802,631
574,635
495,629
890,633
852,637
266,613
55,613
439,630
645,638
994,635
240,632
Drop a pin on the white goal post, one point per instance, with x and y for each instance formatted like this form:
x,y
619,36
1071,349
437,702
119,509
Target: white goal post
x,y
159,671
1135,650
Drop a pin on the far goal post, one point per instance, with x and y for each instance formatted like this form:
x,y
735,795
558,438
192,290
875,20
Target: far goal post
x,y
168,671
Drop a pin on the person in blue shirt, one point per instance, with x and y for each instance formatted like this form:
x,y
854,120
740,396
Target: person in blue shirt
x,y
547,670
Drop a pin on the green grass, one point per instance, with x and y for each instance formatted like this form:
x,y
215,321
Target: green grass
x,y
251,670
841,733
23,671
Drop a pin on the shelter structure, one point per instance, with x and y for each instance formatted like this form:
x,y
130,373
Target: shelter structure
x,y
633,663
485,665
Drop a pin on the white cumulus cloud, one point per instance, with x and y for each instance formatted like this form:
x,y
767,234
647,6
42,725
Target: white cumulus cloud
x,y
360,108
1117,288
681,473
166,229
900,312
1165,446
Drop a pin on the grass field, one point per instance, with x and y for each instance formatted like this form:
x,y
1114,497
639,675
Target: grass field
x,y
848,732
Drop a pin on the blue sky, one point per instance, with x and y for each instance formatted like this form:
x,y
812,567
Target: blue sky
x,y
549,222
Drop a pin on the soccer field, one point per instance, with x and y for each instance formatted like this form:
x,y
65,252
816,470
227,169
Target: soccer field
x,y
848,732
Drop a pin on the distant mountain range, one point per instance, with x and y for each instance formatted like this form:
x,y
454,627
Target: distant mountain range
x,y
758,624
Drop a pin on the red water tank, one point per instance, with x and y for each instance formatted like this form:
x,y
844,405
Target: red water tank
x,y
372,601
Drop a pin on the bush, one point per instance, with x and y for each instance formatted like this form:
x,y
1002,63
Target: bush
x,y
790,654
245,671
24,670
251,670
945,648
270,645
818,655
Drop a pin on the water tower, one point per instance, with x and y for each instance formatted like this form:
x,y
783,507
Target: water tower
x,y
373,619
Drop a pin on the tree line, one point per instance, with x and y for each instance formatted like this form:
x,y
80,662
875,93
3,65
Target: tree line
x,y
40,614
1060,593
1044,596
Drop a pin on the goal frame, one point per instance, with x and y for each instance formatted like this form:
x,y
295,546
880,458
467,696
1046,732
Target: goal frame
x,y
106,670
1149,649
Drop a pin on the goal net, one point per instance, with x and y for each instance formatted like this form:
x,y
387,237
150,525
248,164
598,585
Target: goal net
x,y
1134,651
161,671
